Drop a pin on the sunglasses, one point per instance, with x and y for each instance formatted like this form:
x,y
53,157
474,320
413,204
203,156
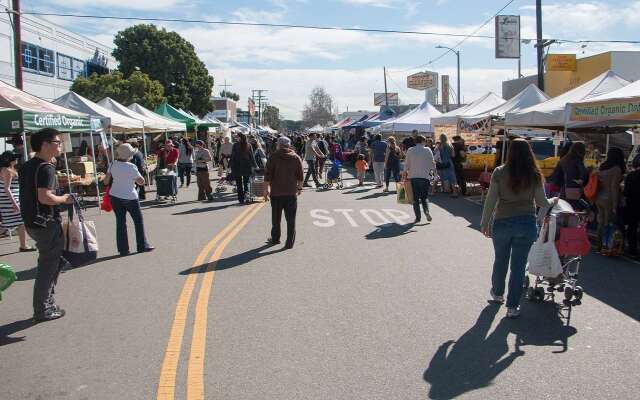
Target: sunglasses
x,y
57,142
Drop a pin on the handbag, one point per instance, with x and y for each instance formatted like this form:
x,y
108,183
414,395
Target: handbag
x,y
80,239
543,259
7,277
591,189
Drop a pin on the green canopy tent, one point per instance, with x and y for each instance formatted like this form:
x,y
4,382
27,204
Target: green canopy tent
x,y
193,123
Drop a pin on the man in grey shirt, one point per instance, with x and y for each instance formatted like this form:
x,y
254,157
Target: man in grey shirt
x,y
420,166
311,152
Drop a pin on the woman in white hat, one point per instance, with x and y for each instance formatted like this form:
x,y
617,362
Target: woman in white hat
x,y
123,177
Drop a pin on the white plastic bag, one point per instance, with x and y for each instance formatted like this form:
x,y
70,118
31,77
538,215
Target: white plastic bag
x,y
80,239
543,256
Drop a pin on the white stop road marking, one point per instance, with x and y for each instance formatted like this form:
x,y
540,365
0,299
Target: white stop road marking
x,y
329,218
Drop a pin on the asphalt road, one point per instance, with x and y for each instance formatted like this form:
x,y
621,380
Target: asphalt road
x,y
366,306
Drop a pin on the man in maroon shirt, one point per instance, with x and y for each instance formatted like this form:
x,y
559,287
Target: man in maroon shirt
x,y
284,177
168,156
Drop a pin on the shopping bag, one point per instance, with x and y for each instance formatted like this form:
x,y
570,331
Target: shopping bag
x,y
573,241
80,239
543,259
106,201
7,277
405,193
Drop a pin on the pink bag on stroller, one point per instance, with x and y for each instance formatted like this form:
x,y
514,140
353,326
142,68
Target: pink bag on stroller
x,y
573,241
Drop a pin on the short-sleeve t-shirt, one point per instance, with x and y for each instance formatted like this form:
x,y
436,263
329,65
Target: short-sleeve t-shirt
x,y
123,180
29,205
379,150
309,154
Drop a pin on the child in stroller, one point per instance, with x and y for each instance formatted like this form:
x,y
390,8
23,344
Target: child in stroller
x,y
334,175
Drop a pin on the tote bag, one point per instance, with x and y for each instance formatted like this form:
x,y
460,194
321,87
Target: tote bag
x,y
543,256
80,240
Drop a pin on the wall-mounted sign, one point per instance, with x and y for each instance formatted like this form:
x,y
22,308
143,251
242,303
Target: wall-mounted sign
x,y
507,36
379,99
422,80
561,62
445,91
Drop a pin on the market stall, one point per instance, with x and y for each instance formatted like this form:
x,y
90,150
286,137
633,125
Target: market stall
x,y
447,123
419,119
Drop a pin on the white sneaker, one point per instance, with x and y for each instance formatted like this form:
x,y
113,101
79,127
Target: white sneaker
x,y
495,298
513,312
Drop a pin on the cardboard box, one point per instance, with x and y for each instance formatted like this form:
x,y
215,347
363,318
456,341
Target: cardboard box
x,y
82,168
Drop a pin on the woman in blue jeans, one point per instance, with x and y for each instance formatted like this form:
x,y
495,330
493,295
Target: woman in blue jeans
x,y
515,190
123,177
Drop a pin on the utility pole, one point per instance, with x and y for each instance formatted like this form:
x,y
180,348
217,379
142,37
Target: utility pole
x,y
260,98
539,45
225,86
17,44
386,95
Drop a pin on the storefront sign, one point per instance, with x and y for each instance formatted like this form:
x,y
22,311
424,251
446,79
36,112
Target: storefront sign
x,y
507,36
58,121
481,126
422,80
379,99
561,62
626,111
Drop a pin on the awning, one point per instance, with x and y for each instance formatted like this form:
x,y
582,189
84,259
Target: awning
x,y
150,124
420,119
485,103
21,111
168,124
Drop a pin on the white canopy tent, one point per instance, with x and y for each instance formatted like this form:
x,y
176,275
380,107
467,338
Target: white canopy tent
x,y
111,120
618,108
551,113
316,129
485,103
167,124
150,124
530,96
420,119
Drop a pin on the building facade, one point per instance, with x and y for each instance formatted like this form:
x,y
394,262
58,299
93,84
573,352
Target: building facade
x,y
52,56
623,63
224,109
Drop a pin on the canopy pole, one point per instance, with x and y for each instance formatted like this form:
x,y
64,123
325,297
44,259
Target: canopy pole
x,y
24,146
608,136
113,154
66,165
504,147
95,173
144,148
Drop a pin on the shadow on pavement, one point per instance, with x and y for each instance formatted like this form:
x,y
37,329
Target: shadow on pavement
x,y
459,207
477,358
374,195
30,274
613,281
389,231
7,330
234,261
203,210
363,190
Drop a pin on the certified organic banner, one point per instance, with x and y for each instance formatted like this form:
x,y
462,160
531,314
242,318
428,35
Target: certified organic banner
x,y
612,110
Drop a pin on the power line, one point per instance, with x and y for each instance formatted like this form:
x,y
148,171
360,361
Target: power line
x,y
316,27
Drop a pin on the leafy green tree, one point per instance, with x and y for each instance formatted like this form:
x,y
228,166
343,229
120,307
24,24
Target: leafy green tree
x,y
168,58
271,117
230,95
138,88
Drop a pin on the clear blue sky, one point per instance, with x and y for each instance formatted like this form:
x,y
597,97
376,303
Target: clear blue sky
x,y
290,62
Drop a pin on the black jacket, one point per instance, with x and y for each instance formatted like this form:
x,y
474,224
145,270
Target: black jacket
x,y
242,164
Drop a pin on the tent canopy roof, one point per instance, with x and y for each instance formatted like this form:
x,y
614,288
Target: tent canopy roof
x,y
109,118
529,96
485,103
616,108
166,123
23,111
150,124
420,119
551,115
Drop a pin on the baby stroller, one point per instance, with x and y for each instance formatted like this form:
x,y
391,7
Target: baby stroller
x,y
334,175
167,186
224,182
257,187
555,257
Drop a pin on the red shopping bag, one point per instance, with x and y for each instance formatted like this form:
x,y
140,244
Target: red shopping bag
x,y
573,241
106,201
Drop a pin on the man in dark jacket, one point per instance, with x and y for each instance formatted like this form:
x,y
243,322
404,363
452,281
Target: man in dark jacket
x,y
284,177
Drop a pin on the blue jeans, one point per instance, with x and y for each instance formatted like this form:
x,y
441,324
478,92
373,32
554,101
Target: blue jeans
x,y
120,209
512,239
392,170
420,188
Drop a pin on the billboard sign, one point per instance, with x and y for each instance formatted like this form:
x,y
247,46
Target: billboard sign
x,y
561,62
379,99
422,80
445,91
507,36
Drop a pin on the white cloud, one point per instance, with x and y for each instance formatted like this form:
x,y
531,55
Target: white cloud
x,y
245,14
574,19
374,3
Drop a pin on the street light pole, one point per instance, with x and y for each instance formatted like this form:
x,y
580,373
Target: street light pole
x,y
457,53
539,45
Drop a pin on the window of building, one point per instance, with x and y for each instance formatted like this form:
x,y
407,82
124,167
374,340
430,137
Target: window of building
x,y
38,59
69,68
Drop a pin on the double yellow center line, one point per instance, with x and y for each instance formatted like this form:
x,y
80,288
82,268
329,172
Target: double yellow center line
x,y
195,372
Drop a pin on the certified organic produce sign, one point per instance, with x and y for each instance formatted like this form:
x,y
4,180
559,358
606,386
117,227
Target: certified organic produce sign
x,y
57,120
628,110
